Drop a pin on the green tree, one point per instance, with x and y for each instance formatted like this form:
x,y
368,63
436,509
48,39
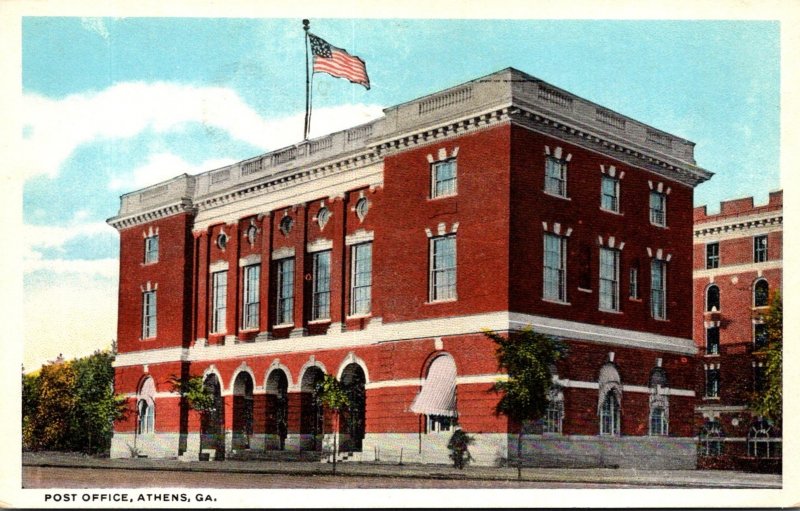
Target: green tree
x,y
96,407
30,402
335,399
48,425
768,402
526,356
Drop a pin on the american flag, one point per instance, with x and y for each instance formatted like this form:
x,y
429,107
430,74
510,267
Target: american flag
x,y
337,62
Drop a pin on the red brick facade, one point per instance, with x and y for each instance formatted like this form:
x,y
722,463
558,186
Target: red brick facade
x,y
733,268
498,214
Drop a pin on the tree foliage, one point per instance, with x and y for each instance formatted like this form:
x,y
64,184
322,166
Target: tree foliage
x,y
197,394
70,405
332,395
769,401
526,357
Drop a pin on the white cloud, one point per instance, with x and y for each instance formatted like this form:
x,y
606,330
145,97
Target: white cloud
x,y
108,268
55,128
50,236
71,314
161,166
96,25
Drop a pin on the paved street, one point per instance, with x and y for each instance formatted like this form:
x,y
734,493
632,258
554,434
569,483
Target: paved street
x,y
53,470
67,477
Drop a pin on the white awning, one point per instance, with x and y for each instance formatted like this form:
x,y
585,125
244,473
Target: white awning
x,y
438,394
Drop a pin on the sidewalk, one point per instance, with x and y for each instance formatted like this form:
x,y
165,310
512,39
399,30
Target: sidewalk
x,y
677,478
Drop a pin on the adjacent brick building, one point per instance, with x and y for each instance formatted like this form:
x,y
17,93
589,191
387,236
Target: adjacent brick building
x,y
738,266
381,253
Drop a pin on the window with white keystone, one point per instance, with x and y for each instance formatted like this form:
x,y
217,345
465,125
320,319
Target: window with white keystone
x,y
658,208
151,249
658,289
219,305
555,267
250,296
443,178
443,268
555,176
148,314
609,279
609,193
361,279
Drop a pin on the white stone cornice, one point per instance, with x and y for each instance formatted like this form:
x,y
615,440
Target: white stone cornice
x,y
139,218
736,227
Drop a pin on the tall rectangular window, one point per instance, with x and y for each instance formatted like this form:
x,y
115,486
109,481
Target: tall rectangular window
x,y
361,279
633,283
443,178
658,289
151,249
321,300
555,268
148,314
219,301
760,249
443,268
284,271
712,340
712,382
609,279
712,255
609,194
555,176
658,208
250,297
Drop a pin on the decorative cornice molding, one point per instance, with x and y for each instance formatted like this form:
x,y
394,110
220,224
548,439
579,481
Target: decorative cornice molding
x,y
737,225
124,222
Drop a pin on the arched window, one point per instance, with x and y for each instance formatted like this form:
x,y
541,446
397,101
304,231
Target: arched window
x,y
609,397
712,298
761,441
609,415
659,403
554,415
761,293
146,408
711,439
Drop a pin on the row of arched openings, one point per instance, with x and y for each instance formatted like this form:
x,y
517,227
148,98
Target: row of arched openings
x,y
275,409
760,296
763,439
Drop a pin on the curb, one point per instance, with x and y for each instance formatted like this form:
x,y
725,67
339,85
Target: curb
x,y
360,472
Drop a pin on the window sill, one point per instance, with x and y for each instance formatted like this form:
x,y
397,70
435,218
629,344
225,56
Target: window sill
x,y
604,210
584,290
438,197
710,398
712,355
320,321
664,320
557,302
283,325
151,263
609,311
248,330
562,197
148,339
359,316
444,300
630,299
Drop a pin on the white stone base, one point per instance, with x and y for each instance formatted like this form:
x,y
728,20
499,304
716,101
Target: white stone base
x,y
153,445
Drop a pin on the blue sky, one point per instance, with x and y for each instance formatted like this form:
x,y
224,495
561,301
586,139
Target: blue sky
x,y
113,104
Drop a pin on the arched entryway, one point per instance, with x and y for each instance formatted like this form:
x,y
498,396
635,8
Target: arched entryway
x,y
242,411
211,435
311,413
353,423
277,408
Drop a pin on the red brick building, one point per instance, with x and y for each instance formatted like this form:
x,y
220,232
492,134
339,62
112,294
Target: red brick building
x,y
381,253
738,267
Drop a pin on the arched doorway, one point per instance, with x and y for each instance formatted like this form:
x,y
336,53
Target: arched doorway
x,y
211,436
353,423
277,408
311,413
242,411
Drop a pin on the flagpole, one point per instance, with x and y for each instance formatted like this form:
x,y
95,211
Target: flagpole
x,y
308,86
